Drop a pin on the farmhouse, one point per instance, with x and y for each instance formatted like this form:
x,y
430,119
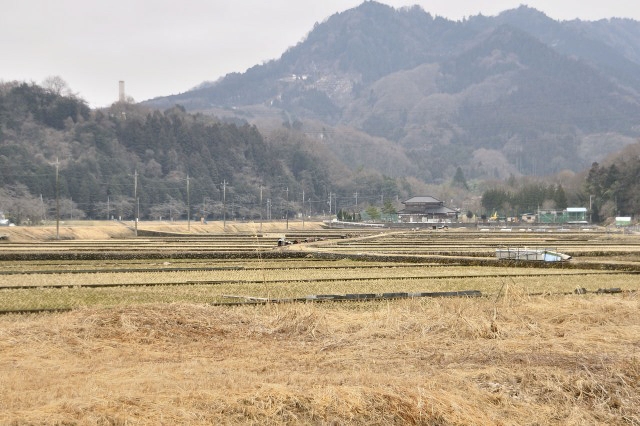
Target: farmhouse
x,y
425,209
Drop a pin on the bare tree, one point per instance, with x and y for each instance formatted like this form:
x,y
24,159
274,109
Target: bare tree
x,y
69,209
104,209
172,209
20,206
122,208
57,85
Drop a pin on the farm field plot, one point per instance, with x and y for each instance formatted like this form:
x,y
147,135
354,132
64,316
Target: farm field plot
x,y
164,336
66,287
479,244
192,269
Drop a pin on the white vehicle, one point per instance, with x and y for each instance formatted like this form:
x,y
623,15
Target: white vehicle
x,y
4,221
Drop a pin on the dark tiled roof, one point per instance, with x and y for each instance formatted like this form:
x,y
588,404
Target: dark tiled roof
x,y
422,200
437,210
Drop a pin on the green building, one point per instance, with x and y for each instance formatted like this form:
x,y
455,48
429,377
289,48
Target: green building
x,y
569,215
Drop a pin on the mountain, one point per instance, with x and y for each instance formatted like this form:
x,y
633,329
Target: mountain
x,y
401,91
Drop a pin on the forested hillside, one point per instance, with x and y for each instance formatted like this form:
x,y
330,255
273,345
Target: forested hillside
x,y
514,94
614,188
375,105
173,164
106,163
608,190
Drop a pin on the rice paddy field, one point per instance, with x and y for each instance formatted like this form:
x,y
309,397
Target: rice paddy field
x,y
341,326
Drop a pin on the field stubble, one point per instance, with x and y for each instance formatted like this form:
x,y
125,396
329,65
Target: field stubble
x,y
511,360
283,280
162,355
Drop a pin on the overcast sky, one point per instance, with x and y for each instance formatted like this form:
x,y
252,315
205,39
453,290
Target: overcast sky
x,y
163,47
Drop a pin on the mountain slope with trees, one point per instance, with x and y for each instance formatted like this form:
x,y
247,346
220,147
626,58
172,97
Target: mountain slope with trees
x,y
112,162
607,189
518,93
375,105
613,188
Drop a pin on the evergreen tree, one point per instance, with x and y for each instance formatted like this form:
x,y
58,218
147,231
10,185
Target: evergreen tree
x,y
388,208
459,179
373,212
560,198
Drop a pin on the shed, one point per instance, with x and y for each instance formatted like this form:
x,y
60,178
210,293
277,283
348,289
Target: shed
x,y
623,221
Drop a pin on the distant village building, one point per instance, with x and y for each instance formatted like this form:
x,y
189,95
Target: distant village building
x,y
3,220
570,215
623,220
576,214
425,210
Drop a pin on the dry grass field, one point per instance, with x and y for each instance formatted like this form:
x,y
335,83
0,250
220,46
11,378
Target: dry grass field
x,y
177,354
101,230
517,360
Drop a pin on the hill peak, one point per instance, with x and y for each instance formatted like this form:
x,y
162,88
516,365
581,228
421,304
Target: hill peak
x,y
524,12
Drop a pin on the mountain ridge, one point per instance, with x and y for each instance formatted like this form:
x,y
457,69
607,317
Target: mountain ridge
x,y
531,89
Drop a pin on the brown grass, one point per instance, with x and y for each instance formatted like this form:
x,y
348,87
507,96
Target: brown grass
x,y
508,359
511,361
104,230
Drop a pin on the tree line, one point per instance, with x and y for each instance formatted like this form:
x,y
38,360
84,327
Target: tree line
x,y
57,156
614,189
529,198
607,190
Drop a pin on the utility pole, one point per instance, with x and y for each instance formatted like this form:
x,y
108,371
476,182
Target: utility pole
x,y
188,206
57,201
135,197
286,208
224,204
303,208
260,208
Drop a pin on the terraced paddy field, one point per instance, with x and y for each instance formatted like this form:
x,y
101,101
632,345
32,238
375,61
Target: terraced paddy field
x,y
348,326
